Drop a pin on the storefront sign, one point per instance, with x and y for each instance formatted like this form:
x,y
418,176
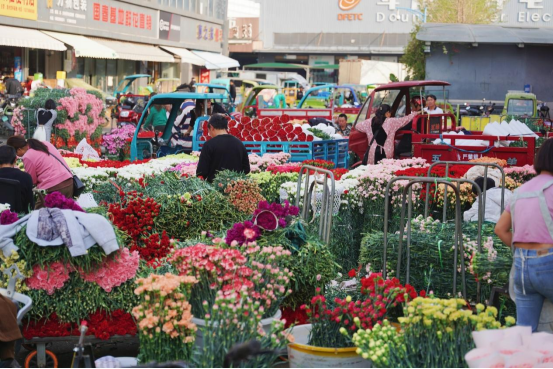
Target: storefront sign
x,y
102,15
169,26
201,35
209,33
244,29
347,5
26,9
205,76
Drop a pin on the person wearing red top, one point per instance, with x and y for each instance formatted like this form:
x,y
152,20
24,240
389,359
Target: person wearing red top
x,y
45,165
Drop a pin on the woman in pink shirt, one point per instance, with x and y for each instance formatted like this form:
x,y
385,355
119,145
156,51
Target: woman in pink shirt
x,y
381,130
45,165
527,226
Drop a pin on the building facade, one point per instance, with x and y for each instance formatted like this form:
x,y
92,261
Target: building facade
x,y
486,61
321,32
101,41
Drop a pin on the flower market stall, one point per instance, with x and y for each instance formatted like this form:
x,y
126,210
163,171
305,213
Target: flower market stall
x,y
81,114
200,267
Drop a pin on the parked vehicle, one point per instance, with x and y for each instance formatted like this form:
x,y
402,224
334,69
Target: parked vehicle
x,y
243,86
227,101
520,104
128,107
165,85
327,101
145,144
430,139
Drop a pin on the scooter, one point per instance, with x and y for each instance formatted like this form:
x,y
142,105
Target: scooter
x,y
130,110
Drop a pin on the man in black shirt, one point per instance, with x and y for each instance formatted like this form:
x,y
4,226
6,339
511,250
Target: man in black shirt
x,y
222,152
7,171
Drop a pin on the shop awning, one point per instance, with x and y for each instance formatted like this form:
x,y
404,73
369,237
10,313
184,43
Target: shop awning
x,y
84,47
134,51
186,56
216,61
31,38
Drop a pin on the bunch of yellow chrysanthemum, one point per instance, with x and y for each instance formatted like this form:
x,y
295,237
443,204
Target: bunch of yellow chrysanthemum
x,y
434,333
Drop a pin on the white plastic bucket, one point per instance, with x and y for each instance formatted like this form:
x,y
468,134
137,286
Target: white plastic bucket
x,y
301,355
200,323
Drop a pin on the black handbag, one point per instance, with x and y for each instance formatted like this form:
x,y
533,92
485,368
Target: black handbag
x,y
78,185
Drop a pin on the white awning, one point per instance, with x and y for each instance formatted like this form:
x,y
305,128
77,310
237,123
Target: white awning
x,y
84,47
31,38
216,61
186,56
134,51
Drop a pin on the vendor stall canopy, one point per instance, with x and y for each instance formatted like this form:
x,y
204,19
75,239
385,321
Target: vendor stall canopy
x,y
24,37
216,61
484,33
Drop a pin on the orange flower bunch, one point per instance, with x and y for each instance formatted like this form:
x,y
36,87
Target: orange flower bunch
x,y
164,318
486,159
244,195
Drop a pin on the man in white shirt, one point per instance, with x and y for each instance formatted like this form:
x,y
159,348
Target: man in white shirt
x,y
431,107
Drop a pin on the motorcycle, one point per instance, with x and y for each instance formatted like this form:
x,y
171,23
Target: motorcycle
x,y
130,110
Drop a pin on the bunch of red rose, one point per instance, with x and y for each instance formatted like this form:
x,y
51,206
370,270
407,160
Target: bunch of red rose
x,y
266,129
102,325
135,214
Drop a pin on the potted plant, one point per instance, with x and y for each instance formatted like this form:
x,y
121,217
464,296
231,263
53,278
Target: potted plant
x,y
322,343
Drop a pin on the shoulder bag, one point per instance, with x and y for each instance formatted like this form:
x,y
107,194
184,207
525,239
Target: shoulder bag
x,y
78,185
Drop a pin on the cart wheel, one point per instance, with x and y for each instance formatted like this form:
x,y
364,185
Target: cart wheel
x,y
32,362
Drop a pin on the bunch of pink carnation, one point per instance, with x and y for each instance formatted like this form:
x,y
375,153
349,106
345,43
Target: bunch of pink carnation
x,y
185,169
114,271
265,263
78,102
50,278
261,163
215,268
